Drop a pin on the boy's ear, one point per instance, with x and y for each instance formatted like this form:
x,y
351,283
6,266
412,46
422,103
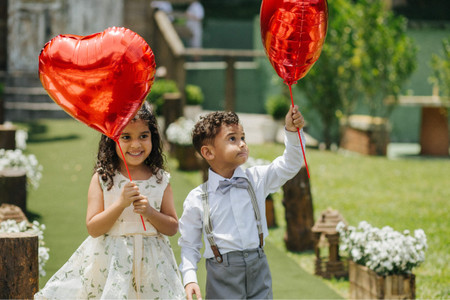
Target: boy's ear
x,y
207,152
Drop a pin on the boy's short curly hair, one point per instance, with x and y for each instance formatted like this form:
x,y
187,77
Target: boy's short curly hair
x,y
209,126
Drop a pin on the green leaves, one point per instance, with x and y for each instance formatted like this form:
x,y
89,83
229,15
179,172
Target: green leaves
x,y
366,57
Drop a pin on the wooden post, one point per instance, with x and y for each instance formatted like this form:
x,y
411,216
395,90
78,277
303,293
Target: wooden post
x,y
230,86
19,265
299,213
7,136
13,188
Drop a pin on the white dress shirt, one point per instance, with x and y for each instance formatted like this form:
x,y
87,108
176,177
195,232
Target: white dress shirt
x,y
232,215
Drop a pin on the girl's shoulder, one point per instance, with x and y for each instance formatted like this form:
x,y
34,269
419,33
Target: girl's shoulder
x,y
164,175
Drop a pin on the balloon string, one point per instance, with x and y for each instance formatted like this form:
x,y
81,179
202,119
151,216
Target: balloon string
x,y
298,131
129,176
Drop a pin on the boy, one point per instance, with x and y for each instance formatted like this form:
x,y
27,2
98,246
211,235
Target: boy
x,y
229,209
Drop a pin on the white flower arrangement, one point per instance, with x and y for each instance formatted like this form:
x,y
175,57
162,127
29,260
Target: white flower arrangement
x,y
384,250
15,159
180,131
21,139
10,226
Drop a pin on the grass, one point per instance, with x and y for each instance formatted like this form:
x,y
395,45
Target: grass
x,y
67,150
406,193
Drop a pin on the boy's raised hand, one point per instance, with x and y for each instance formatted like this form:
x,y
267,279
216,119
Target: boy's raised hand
x,y
294,119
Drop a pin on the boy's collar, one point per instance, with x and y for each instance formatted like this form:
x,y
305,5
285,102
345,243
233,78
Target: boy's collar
x,y
214,178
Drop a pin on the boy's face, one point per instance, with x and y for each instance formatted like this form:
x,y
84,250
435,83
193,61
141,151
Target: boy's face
x,y
230,149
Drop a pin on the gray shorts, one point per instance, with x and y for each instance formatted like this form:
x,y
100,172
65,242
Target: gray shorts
x,y
241,275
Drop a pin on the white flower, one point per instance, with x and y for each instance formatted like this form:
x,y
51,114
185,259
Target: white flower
x,y
385,250
15,159
180,131
21,139
10,226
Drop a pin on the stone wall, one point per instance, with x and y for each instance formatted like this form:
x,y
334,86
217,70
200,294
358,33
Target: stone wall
x,y
3,34
32,23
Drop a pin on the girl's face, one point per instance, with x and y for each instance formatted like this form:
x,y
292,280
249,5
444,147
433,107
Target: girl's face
x,y
136,143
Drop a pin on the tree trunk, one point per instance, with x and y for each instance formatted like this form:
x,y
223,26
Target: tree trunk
x,y
13,188
19,265
270,212
299,213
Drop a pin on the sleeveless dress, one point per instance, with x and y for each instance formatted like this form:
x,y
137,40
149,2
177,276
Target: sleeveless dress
x,y
125,263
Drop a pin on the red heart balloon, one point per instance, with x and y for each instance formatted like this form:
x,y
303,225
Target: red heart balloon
x,y
293,33
100,79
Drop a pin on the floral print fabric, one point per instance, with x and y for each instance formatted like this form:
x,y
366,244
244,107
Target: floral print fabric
x,y
106,267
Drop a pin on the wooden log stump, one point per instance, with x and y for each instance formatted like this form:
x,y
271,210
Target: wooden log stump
x,y
13,187
299,213
19,265
7,137
172,108
365,134
187,157
434,132
366,284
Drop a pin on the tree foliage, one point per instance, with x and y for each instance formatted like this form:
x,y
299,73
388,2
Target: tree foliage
x,y
441,70
366,57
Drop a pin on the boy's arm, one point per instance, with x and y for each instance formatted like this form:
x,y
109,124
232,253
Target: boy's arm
x,y
190,226
285,167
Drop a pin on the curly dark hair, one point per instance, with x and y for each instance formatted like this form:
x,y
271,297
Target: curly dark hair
x,y
108,161
209,126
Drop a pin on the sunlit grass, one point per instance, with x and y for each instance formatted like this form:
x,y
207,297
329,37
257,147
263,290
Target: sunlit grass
x,y
407,193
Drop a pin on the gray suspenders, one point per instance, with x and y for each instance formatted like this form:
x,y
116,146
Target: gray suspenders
x,y
207,220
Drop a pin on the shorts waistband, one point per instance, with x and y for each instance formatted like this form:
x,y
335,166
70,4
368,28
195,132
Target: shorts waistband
x,y
239,257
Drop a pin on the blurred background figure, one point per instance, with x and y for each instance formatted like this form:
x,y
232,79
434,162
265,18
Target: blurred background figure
x,y
195,14
165,6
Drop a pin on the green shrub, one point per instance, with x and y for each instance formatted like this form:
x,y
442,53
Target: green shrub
x,y
194,95
159,88
277,106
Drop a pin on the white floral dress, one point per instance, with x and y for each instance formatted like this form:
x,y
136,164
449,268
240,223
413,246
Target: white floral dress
x,y
125,263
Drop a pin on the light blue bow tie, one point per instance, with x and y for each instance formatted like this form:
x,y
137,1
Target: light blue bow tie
x,y
225,185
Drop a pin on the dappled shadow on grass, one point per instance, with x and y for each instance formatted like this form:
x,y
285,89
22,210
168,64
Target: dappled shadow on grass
x,y
38,133
422,157
410,151
45,139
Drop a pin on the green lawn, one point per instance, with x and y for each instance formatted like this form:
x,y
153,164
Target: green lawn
x,y
67,150
407,193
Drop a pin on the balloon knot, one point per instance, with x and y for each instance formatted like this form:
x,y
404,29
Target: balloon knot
x,y
290,82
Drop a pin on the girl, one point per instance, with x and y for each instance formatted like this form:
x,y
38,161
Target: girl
x,y
120,259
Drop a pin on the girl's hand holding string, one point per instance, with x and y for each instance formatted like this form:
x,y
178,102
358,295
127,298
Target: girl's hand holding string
x,y
130,193
143,208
